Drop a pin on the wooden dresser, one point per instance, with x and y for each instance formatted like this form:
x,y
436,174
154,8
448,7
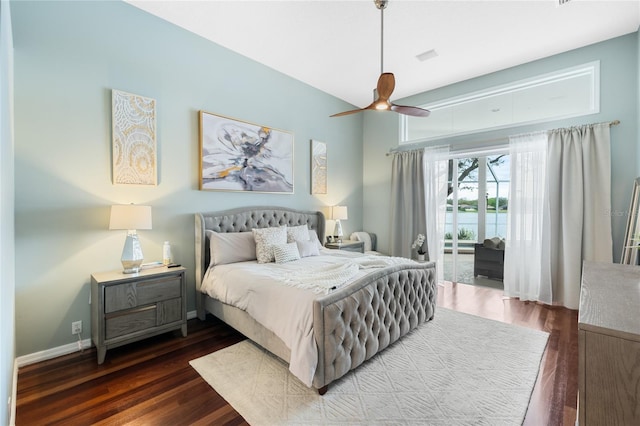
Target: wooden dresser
x,y
130,307
609,345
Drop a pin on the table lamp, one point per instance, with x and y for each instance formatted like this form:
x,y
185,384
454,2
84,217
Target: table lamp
x,y
338,213
131,217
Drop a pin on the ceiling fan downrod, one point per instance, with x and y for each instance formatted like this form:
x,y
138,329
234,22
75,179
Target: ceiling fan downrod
x,y
381,5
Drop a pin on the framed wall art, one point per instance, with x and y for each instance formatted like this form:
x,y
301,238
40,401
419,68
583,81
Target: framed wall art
x,y
239,156
318,167
134,139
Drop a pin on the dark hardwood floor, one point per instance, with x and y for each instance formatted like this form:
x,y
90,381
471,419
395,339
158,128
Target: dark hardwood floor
x,y
152,383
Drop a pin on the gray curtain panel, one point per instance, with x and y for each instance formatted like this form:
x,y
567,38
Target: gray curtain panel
x,y
408,217
579,177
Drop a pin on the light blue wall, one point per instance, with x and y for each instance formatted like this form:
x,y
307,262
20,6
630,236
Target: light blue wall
x,y
7,251
619,99
68,57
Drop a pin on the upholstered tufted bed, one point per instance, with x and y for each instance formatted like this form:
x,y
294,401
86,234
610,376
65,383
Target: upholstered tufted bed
x,y
349,324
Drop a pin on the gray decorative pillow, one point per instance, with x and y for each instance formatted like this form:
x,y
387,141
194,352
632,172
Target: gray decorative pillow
x,y
266,238
284,253
307,248
297,233
492,242
231,247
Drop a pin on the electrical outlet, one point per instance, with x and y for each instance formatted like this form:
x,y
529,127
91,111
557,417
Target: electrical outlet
x,y
76,327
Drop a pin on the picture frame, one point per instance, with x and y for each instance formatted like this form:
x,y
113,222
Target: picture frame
x,y
134,145
237,155
318,167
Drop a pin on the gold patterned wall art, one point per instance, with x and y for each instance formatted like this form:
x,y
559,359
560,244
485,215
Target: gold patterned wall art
x,y
318,167
134,139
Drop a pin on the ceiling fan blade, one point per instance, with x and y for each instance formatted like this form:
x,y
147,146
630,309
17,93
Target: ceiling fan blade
x,y
386,84
353,111
410,110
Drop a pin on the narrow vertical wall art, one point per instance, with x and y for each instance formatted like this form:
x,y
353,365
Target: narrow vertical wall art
x,y
318,167
134,139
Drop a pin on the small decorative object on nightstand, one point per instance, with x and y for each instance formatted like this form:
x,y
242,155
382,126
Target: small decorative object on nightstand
x,y
130,307
348,245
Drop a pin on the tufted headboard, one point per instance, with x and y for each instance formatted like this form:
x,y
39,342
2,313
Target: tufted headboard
x,y
244,219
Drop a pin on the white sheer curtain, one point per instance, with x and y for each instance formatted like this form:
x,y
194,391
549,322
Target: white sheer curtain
x,y
436,166
559,204
526,271
579,176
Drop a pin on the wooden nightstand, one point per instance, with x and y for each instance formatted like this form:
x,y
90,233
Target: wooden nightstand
x,y
130,307
348,245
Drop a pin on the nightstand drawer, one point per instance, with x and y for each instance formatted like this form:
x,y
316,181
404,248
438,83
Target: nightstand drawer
x,y
347,245
169,311
127,323
126,308
131,295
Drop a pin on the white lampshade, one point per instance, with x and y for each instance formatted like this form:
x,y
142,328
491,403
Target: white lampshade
x,y
131,218
339,213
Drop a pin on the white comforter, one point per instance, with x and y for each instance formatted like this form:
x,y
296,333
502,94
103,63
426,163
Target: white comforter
x,y
280,298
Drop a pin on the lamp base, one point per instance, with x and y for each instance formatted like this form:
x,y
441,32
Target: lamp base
x,y
337,232
131,269
131,254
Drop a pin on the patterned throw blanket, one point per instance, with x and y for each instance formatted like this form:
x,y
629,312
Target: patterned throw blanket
x,y
325,278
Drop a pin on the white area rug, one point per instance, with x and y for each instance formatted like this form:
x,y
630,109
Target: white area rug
x,y
457,369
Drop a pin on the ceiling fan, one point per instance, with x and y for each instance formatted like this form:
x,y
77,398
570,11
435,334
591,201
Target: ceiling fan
x,y
386,83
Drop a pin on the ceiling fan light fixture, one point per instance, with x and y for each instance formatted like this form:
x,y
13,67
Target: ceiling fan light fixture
x,y
386,83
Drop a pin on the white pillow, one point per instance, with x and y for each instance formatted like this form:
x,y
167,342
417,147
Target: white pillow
x,y
266,238
284,253
307,248
313,236
297,233
231,247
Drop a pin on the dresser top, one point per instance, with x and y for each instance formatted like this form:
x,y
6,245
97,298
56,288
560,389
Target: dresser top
x,y
610,299
118,275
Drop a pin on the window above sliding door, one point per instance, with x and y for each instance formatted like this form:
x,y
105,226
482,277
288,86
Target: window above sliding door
x,y
570,92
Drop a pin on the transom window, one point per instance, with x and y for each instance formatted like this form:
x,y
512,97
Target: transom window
x,y
570,92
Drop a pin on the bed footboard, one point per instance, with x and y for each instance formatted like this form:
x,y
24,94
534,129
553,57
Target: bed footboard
x,y
354,323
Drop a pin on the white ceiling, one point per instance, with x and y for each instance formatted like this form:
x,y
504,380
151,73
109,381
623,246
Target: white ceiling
x,y
335,45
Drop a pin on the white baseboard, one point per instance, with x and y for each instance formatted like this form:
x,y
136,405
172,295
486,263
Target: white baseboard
x,y
51,353
14,393
24,360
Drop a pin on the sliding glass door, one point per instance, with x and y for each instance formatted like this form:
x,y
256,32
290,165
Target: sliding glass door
x,y
476,210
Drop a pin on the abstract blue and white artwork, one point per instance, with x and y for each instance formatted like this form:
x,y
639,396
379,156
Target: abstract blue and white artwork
x,y
239,156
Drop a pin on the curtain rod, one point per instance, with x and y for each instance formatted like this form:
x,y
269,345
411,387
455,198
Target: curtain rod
x,y
487,141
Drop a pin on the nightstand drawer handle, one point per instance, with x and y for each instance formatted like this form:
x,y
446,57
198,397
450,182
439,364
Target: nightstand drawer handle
x,y
130,311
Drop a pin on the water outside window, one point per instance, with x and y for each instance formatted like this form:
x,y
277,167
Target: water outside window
x,y
476,210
